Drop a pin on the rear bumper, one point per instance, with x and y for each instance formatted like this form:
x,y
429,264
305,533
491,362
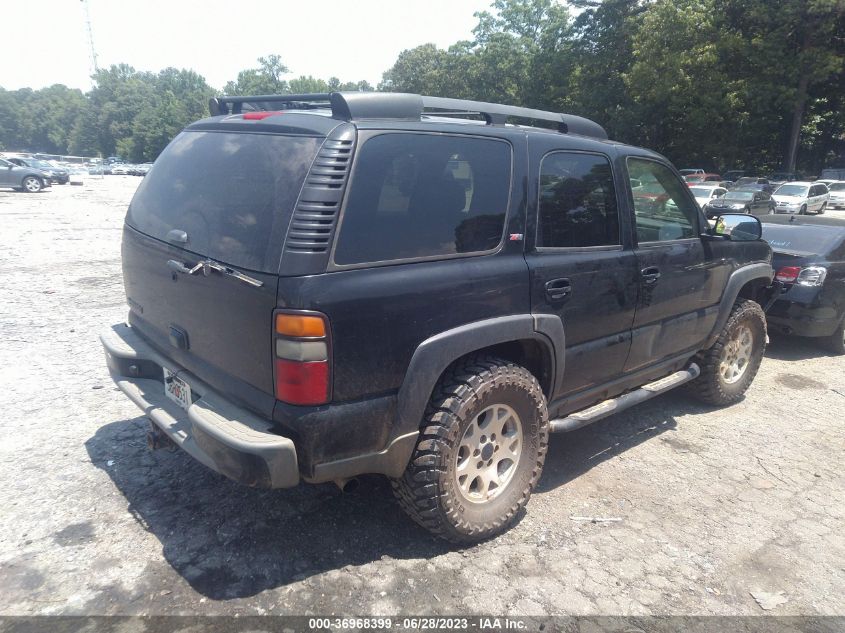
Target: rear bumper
x,y
214,431
790,317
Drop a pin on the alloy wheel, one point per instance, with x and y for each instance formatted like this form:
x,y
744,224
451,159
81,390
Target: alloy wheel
x,y
736,354
488,453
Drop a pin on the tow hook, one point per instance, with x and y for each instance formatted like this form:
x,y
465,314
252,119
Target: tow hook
x,y
158,439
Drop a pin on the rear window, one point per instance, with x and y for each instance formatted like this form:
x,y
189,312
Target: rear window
x,y
423,195
232,193
805,239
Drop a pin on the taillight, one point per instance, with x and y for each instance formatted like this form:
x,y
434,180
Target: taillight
x,y
812,276
788,274
807,276
301,346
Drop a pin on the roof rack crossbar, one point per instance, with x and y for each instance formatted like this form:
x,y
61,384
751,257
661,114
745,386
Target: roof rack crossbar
x,y
350,106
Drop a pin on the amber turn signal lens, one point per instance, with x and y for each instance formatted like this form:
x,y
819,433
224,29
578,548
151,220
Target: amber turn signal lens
x,y
300,325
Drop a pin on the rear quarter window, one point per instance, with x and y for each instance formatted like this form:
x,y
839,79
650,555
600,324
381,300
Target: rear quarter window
x,y
423,195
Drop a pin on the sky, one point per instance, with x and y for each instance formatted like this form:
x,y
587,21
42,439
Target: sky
x,y
351,40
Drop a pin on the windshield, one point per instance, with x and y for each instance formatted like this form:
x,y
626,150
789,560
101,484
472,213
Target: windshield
x,y
40,164
837,186
792,190
739,195
803,238
232,193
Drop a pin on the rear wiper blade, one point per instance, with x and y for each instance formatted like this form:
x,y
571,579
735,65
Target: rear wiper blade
x,y
207,265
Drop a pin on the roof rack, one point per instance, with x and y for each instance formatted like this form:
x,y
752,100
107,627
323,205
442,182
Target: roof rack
x,y
357,106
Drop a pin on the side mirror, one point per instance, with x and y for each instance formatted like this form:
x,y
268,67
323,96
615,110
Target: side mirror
x,y
738,227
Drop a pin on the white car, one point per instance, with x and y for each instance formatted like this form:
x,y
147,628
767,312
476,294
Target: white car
x,y
837,194
705,193
801,198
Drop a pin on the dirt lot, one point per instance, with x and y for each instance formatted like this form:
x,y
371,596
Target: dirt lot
x,y
713,506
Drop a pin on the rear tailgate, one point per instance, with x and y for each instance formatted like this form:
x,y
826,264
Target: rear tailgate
x,y
224,198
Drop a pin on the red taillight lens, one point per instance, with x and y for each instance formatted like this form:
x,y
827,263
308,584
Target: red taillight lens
x,y
302,363
257,116
788,274
302,383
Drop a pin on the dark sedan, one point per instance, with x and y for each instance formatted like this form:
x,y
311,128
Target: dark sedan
x,y
757,183
741,201
809,258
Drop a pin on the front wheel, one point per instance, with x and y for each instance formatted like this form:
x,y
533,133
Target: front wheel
x,y
729,366
31,184
802,210
747,210
480,452
772,209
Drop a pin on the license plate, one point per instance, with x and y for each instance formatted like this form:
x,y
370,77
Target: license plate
x,y
177,389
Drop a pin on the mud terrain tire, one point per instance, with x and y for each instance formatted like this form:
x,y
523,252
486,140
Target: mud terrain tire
x,y
729,366
483,411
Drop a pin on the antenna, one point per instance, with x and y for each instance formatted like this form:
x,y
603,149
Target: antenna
x,y
93,53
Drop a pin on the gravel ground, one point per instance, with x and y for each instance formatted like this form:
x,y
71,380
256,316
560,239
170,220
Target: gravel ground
x,y
712,507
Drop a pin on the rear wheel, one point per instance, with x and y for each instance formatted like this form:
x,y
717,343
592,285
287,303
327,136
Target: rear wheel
x,y
480,453
729,366
31,184
823,208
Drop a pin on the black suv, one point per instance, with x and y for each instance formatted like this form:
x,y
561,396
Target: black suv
x,y
322,286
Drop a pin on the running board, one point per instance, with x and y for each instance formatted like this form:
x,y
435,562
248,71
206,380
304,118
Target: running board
x,y
626,400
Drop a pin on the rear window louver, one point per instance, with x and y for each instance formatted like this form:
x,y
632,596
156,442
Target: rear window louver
x,y
316,212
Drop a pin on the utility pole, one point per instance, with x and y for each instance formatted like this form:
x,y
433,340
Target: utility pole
x,y
93,53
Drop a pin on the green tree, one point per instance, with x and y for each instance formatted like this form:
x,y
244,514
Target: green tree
x,y
306,85
417,70
793,52
264,80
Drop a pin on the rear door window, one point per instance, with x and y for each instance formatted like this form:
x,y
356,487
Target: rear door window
x,y
424,195
577,202
232,193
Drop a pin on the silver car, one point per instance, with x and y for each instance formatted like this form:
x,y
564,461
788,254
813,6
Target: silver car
x,y
801,198
22,178
837,195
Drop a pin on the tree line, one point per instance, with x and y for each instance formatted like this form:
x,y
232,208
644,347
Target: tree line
x,y
709,83
130,113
